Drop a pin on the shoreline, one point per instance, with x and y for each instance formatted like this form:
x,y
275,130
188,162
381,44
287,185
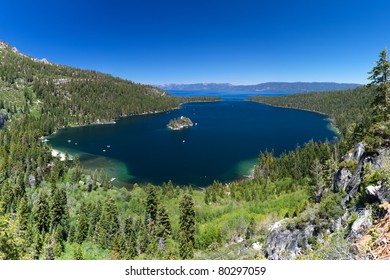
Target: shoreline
x,y
113,121
332,126
62,155
248,175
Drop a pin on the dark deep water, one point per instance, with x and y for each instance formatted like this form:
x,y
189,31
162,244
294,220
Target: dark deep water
x,y
223,146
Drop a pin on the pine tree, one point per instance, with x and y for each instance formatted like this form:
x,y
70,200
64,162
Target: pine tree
x,y
22,214
65,220
130,240
170,191
118,248
151,203
78,252
57,207
82,224
48,249
41,212
108,224
164,225
317,173
37,245
186,249
94,217
250,230
187,226
11,244
59,246
76,171
380,76
266,161
143,238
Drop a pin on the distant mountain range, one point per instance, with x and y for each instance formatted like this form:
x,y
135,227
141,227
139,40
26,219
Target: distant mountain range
x,y
271,86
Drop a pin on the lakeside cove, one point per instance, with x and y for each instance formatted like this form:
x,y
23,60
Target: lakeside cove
x,y
224,145
332,126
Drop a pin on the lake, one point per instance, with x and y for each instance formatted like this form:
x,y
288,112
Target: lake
x,y
223,144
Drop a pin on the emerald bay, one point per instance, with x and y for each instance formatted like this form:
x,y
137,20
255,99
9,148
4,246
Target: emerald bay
x,y
223,144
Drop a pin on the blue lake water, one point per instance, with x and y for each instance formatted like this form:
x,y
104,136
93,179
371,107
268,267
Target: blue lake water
x,y
226,95
223,145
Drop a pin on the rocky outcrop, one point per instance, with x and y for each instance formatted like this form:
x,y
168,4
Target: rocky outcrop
x,y
345,180
352,182
341,179
353,185
379,193
361,224
287,244
356,154
284,242
376,160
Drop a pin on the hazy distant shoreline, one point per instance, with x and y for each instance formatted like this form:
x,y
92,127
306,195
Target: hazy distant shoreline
x,y
270,86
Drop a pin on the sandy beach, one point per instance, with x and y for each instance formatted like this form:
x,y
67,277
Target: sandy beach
x,y
56,153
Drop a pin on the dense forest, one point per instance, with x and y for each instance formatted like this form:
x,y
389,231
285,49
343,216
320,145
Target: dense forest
x,y
346,109
53,209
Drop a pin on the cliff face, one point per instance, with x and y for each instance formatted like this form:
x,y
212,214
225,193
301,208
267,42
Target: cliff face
x,y
364,193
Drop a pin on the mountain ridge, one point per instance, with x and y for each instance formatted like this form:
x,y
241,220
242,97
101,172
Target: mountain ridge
x,y
268,86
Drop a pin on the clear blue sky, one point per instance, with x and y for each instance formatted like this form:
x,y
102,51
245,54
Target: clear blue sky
x,y
187,41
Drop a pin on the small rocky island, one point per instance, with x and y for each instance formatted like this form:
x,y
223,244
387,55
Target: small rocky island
x,y
179,123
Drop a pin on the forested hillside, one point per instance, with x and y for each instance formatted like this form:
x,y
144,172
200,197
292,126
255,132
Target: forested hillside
x,y
53,209
74,96
343,107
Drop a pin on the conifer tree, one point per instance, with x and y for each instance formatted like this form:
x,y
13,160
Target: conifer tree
x,y
380,76
164,225
108,224
59,246
118,248
82,224
250,230
57,208
151,204
187,225
186,249
143,238
41,212
94,217
71,233
76,171
11,244
22,214
170,191
65,219
78,252
48,248
130,240
37,245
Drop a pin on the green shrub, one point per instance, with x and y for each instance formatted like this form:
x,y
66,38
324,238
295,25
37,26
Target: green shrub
x,y
330,207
